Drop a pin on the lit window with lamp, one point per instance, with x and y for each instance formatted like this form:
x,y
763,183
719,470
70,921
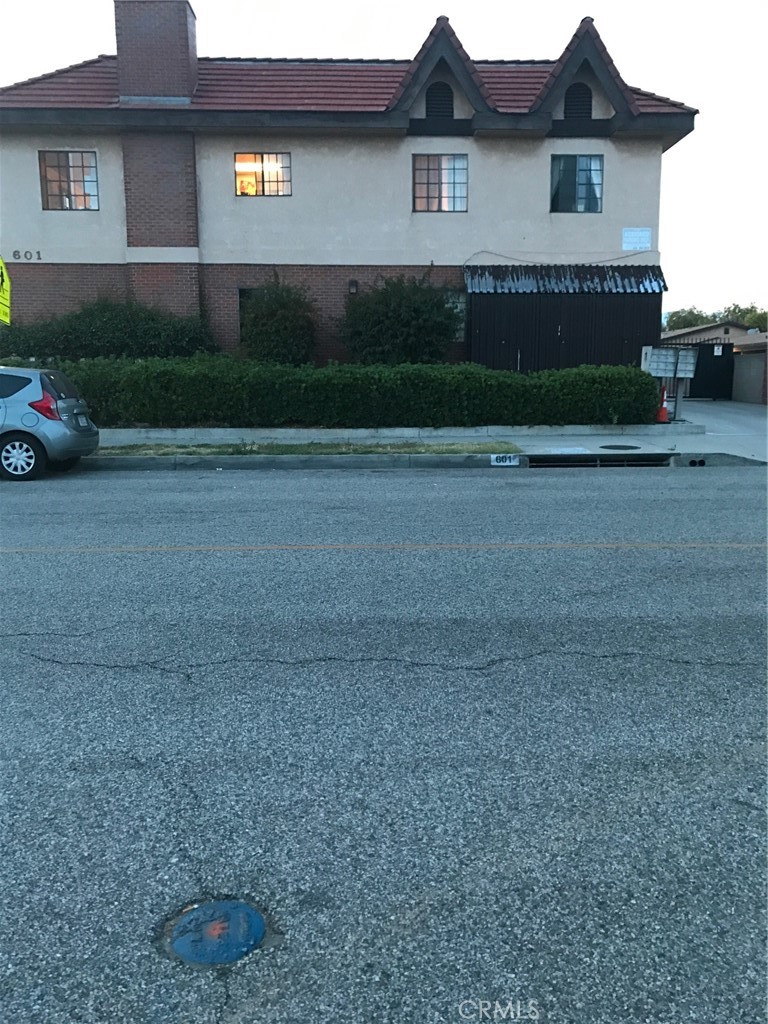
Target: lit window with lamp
x,y
262,174
68,179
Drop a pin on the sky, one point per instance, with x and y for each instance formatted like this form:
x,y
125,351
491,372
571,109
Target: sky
x,y
709,56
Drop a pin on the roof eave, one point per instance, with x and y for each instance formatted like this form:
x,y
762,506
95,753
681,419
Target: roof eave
x,y
186,119
669,128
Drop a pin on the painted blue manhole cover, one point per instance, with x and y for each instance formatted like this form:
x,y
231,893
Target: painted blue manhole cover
x,y
216,932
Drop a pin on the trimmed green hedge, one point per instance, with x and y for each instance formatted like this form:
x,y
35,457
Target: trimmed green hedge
x,y
106,328
217,390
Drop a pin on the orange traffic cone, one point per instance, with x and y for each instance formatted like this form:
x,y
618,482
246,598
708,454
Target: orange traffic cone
x,y
662,416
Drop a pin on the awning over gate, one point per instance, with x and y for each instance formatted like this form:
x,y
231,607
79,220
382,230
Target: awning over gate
x,y
574,278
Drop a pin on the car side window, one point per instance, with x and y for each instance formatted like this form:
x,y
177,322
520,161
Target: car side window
x,y
10,384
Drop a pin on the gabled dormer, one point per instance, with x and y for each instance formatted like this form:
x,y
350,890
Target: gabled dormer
x,y
442,90
585,64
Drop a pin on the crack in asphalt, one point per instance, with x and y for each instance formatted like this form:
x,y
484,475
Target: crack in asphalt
x,y
134,763
183,847
153,665
187,672
47,632
221,1010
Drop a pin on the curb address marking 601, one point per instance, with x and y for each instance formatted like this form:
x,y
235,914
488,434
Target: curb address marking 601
x,y
505,460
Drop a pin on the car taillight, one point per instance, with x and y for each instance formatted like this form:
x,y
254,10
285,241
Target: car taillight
x,y
47,407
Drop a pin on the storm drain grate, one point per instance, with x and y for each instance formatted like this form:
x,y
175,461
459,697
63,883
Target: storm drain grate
x,y
597,461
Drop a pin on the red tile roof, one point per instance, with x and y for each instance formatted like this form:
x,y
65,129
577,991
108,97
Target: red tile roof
x,y
650,103
514,86
90,84
231,84
296,85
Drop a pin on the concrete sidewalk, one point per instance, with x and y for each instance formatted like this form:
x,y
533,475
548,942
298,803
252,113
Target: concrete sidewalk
x,y
684,442
307,435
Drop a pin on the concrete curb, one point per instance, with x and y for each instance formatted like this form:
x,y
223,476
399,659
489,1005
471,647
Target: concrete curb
x,y
685,460
301,435
149,463
171,463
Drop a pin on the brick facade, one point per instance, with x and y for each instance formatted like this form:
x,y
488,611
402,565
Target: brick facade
x,y
156,46
160,189
174,287
46,290
327,286
43,291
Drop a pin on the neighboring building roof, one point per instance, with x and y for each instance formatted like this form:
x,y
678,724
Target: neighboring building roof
x,y
365,86
703,327
751,343
531,278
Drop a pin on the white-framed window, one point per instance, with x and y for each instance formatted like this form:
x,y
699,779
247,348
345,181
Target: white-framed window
x,y
440,182
68,179
262,174
577,184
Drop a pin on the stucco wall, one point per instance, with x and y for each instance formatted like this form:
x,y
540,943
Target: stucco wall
x,y
351,203
60,236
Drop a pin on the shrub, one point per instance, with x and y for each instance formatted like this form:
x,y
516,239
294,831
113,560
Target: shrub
x,y
106,328
402,321
277,324
217,390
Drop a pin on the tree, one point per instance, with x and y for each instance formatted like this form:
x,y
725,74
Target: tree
x,y
679,319
750,316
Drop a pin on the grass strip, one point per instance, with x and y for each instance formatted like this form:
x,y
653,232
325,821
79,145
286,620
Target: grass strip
x,y
317,448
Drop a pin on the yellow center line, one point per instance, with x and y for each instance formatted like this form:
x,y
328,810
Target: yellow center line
x,y
491,546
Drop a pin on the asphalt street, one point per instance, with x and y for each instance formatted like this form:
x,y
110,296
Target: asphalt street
x,y
467,738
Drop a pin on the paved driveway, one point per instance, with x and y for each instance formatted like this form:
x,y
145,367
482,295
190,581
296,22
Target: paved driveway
x,y
739,428
467,737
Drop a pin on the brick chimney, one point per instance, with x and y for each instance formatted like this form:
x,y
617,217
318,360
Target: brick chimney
x,y
156,51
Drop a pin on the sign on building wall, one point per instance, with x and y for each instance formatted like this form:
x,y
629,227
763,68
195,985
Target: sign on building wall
x,y
636,239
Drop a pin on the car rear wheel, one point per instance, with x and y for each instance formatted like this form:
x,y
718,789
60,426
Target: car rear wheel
x,y
64,465
21,457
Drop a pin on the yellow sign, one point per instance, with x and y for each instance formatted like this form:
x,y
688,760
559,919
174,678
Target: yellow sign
x,y
5,294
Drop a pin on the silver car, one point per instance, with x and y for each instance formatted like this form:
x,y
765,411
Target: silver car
x,y
44,423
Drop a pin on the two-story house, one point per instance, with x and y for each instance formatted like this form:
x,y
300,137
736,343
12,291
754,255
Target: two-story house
x,y
528,187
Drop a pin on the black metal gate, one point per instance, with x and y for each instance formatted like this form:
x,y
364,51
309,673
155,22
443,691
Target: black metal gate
x,y
714,373
528,332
